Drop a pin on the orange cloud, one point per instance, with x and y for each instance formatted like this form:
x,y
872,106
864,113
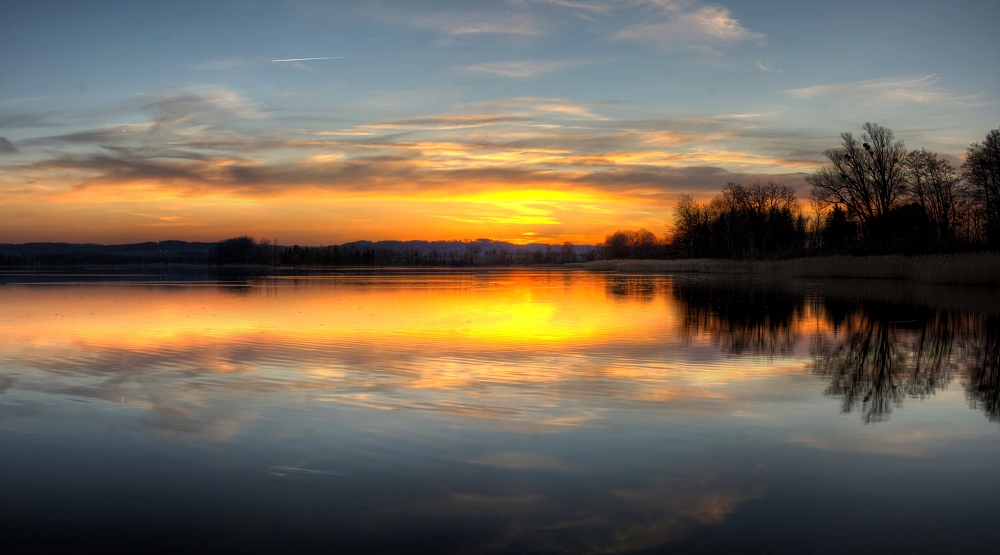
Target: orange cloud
x,y
563,169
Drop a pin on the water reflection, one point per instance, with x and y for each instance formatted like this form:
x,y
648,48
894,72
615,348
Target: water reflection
x,y
983,383
875,354
550,412
741,317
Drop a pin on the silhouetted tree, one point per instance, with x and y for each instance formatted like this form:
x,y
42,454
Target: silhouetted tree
x,y
567,253
238,250
643,244
692,229
631,244
472,250
981,171
908,230
933,184
866,175
616,246
754,221
839,233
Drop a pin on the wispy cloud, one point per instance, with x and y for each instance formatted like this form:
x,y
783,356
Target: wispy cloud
x,y
202,105
223,64
762,67
533,105
664,24
523,68
479,23
12,102
7,147
451,121
921,89
594,7
707,28
211,145
312,59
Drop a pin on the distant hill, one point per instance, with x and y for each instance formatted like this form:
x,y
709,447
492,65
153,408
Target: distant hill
x,y
153,252
68,253
424,247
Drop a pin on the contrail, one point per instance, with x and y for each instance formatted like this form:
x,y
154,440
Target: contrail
x,y
307,59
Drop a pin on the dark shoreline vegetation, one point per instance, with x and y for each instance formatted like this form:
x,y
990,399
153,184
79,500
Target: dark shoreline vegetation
x,y
873,202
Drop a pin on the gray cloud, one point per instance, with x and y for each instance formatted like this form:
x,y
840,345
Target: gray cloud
x,y
204,141
456,121
7,147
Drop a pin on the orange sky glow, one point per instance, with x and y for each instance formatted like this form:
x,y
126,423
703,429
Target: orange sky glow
x,y
519,121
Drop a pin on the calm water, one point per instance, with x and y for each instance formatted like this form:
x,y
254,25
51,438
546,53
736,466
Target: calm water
x,y
496,412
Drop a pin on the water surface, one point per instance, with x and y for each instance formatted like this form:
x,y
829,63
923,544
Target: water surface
x,y
531,411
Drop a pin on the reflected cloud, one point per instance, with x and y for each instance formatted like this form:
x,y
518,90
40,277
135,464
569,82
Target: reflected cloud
x,y
517,460
547,350
516,351
662,510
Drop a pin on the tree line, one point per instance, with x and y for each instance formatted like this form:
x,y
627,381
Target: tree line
x,y
247,250
873,197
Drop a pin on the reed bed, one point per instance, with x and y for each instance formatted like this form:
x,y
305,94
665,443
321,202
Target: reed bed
x,y
962,268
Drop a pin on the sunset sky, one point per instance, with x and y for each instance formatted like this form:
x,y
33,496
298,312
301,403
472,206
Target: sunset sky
x,y
523,120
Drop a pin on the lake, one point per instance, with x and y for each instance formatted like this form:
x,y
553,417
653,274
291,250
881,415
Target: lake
x,y
506,411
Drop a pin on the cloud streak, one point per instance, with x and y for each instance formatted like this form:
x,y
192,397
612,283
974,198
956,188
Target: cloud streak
x,y
480,23
522,161
919,89
311,59
523,68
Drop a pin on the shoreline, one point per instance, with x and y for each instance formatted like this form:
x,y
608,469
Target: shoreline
x,y
955,269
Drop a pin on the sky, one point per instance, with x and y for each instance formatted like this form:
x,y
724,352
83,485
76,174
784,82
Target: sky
x,y
548,121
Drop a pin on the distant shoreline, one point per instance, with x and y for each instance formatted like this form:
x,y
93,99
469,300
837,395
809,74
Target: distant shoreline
x,y
959,269
956,269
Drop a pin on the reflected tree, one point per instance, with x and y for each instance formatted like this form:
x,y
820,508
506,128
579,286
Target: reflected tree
x,y
876,359
983,384
641,288
740,317
874,354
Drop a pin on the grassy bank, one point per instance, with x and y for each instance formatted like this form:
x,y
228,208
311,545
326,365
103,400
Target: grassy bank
x,y
963,268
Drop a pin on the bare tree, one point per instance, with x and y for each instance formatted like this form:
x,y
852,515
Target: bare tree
x,y
643,243
631,244
981,171
691,223
866,175
933,184
754,219
567,253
